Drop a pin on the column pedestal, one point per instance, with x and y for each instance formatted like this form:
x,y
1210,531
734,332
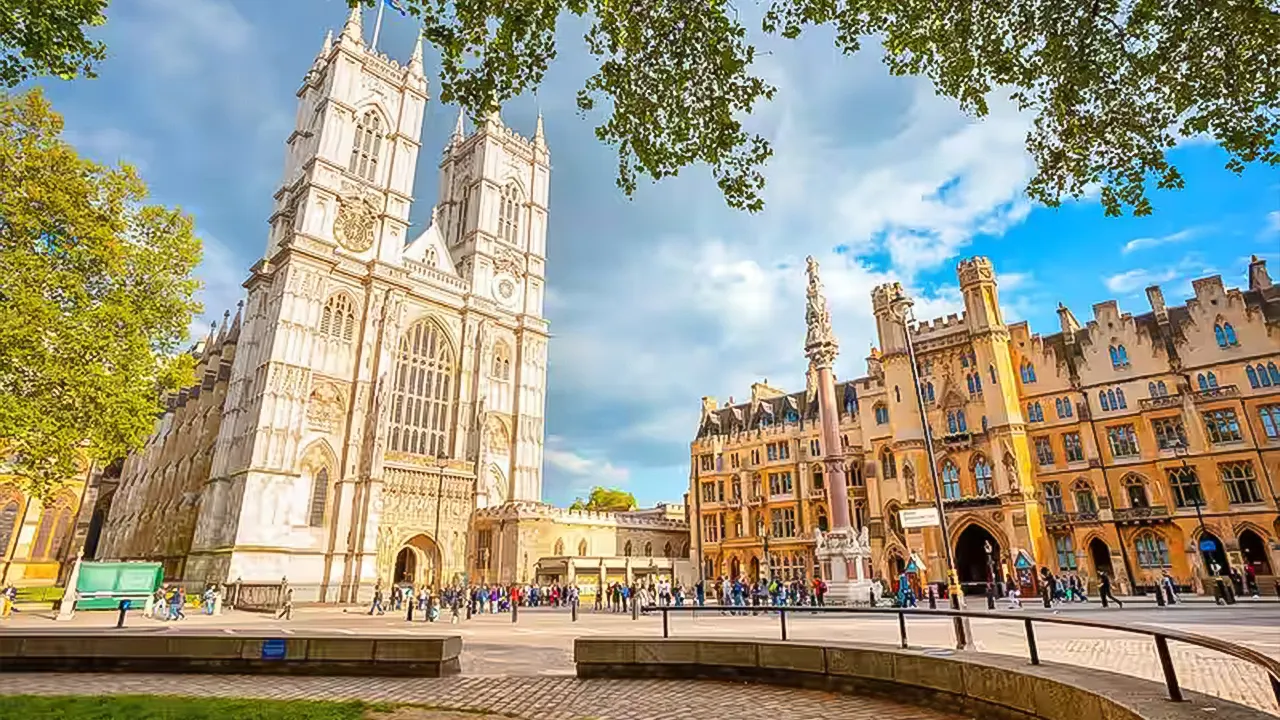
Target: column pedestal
x,y
844,549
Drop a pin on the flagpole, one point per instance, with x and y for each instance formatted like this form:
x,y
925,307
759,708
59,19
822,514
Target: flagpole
x,y
377,25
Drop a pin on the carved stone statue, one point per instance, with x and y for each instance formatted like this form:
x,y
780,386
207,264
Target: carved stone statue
x,y
820,341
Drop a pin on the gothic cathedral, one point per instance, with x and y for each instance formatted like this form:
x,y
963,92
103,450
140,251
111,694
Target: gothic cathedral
x,y
374,389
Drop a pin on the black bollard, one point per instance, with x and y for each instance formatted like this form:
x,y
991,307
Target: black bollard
x,y
933,598
1159,596
409,613
573,610
124,608
1044,594
991,598
515,611
1231,592
469,604
871,598
635,609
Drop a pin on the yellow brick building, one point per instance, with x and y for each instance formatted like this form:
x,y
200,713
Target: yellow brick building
x,y
1122,445
38,539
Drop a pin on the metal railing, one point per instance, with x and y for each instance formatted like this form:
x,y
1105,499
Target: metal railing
x,y
1161,636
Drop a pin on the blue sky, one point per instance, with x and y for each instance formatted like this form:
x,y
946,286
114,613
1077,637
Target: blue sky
x,y
657,301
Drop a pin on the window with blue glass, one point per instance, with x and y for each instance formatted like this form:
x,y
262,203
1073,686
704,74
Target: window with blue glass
x,y
1262,376
1102,400
1225,335
882,414
1028,372
1207,381
1119,357
982,476
792,416
950,481
850,401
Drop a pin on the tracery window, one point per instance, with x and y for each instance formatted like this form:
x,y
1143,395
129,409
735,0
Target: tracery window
x,y
501,361
1225,335
1153,551
422,398
950,481
509,213
888,469
366,146
1028,372
1119,357
982,476
338,319
1136,489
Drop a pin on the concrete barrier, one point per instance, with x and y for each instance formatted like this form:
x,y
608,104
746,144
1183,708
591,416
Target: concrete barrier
x,y
978,684
256,653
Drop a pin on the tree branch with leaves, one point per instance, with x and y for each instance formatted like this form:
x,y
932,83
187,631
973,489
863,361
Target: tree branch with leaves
x,y
1111,85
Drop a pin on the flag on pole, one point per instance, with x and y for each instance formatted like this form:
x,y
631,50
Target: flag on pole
x,y
397,5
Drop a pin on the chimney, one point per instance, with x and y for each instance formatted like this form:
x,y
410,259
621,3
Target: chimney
x,y
1258,277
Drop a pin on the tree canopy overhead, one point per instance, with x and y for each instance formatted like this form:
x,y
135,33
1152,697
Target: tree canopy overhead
x,y
96,294
47,37
606,500
1112,85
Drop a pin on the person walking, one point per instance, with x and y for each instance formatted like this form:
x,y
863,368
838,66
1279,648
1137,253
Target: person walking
x,y
1104,589
377,600
286,607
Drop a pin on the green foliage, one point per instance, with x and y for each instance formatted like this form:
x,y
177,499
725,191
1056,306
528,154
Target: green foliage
x,y
96,294
606,500
1112,84
145,707
47,37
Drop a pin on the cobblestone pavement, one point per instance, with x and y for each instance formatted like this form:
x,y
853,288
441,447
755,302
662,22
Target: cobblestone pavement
x,y
543,698
541,642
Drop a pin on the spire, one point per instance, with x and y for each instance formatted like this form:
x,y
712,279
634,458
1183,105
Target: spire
x,y
208,341
415,60
328,42
353,31
458,129
234,333
222,332
538,138
820,342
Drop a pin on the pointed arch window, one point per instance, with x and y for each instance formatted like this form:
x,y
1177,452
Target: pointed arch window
x,y
1028,372
338,318
926,392
853,478
1160,386
1119,357
559,549
882,414
969,381
1085,502
1254,376
501,361
666,550
888,467
1153,551
422,398
1102,400
950,481
1136,490
582,548
1053,498
319,498
648,549
1212,379
951,422
1225,335
509,213
850,401
366,147
1274,372
982,476
961,423
626,549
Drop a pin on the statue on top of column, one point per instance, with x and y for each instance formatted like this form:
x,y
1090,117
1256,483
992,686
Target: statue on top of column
x,y
820,344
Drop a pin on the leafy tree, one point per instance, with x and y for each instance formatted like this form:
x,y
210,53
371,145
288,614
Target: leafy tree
x,y
1112,84
47,37
606,500
95,297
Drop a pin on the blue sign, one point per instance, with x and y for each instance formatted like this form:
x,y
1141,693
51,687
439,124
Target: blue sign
x,y
273,649
1208,545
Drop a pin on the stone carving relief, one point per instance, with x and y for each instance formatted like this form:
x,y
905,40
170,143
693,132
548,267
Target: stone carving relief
x,y
820,342
288,380
509,261
353,226
326,406
498,437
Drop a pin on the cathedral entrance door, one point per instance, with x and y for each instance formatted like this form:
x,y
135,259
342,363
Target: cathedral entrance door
x,y
406,565
418,562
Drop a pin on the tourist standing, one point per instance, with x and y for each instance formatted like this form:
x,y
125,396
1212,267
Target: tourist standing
x,y
286,607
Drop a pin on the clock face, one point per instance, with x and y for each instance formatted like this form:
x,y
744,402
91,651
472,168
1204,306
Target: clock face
x,y
505,290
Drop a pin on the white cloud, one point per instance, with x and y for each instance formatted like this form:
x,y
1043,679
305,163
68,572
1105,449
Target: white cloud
x,y
1131,281
1146,243
111,145
583,470
1273,222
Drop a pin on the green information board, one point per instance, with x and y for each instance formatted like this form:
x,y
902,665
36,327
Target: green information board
x,y
131,580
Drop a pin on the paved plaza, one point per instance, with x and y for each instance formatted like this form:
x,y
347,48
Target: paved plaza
x,y
539,649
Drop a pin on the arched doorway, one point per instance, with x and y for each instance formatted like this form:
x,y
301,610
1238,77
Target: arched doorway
x,y
1254,552
1100,556
1216,556
406,567
897,566
974,564
735,569
755,568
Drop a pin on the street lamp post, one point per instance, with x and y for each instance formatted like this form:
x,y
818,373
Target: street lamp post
x,y
991,575
762,532
1181,452
901,308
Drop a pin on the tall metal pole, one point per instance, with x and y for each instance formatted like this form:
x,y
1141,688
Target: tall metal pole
x,y
902,305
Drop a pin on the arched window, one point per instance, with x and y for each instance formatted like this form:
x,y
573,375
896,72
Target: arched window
x,y
1220,336
1028,372
1136,489
982,476
984,423
1153,551
1053,498
1274,373
1066,407
964,360
977,383
1120,403
1264,376
1230,332
61,533
882,414
648,549
366,147
1213,380
582,548
950,481
509,214
1102,400
1111,398
501,361
1119,357
969,381
1057,406
319,498
854,477
1039,412
1161,387
1252,375
559,551
626,550
422,398
791,416
1085,501
666,550
850,401
960,421
1151,389
951,422
40,549
1202,382
8,519
888,468
338,318
823,524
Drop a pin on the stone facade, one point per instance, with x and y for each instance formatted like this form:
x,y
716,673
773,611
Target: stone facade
x,y
39,538
534,542
1118,445
375,388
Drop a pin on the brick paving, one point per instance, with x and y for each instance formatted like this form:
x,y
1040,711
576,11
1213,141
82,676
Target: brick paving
x,y
541,642
543,698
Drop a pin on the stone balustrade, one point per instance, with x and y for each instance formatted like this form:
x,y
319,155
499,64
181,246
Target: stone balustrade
x,y
978,684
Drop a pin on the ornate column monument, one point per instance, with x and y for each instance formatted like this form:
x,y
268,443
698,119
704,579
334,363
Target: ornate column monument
x,y
844,549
